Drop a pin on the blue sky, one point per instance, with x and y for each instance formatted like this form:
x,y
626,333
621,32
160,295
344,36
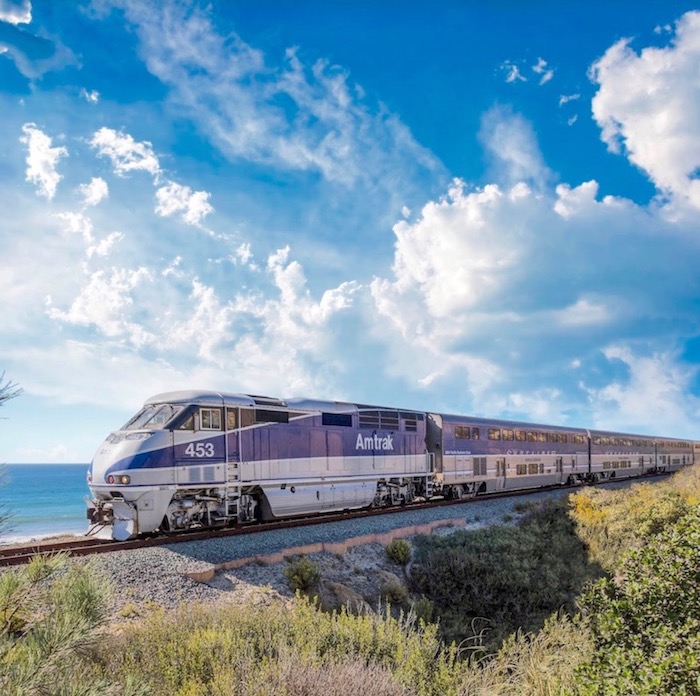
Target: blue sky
x,y
489,210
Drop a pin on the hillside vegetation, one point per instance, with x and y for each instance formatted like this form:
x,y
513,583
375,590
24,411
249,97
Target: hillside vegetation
x,y
596,595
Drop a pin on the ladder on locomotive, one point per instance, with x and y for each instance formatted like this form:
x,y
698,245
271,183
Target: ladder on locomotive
x,y
233,489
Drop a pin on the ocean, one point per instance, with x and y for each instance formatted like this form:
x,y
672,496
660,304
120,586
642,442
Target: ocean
x,y
43,500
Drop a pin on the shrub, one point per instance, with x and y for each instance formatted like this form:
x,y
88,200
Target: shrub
x,y
49,610
514,576
613,523
394,593
542,663
646,626
231,650
423,609
302,574
399,551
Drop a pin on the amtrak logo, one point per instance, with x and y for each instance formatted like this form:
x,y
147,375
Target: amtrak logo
x,y
374,443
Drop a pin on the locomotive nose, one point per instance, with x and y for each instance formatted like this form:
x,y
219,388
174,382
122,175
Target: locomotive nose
x,y
112,461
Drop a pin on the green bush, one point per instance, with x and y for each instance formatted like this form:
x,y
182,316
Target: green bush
x,y
394,593
423,609
49,612
513,576
399,551
646,626
302,574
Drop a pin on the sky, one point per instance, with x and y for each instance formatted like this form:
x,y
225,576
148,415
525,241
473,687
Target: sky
x,y
477,208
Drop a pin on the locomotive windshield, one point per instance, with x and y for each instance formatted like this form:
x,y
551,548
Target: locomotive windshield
x,y
153,417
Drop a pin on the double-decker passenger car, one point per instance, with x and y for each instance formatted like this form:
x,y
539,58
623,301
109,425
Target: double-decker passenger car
x,y
474,455
207,459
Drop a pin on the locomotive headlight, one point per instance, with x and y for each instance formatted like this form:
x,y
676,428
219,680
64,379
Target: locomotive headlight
x,y
137,436
123,479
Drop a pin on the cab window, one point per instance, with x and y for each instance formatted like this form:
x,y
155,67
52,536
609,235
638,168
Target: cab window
x,y
152,417
210,419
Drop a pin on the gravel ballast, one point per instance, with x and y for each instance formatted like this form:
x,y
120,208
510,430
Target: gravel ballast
x,y
159,575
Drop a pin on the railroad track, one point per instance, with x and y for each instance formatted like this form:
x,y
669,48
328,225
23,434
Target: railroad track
x,y
85,546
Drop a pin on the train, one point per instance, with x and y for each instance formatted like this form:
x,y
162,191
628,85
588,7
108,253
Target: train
x,y
205,459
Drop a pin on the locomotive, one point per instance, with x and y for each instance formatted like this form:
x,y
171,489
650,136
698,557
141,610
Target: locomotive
x,y
204,459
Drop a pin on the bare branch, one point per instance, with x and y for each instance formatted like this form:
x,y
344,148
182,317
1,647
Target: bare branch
x,y
8,390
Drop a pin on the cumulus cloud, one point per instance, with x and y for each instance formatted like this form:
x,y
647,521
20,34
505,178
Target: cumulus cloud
x,y
105,246
105,301
648,106
77,223
243,253
94,192
125,153
42,160
489,282
193,206
16,13
263,340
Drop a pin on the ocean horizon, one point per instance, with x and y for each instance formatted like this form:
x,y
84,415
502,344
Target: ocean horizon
x,y
43,500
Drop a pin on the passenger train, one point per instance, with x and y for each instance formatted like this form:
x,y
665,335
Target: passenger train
x,y
202,459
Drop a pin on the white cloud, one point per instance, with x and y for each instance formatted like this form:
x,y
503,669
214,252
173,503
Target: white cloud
x,y
105,246
648,105
126,154
542,69
173,268
34,53
513,73
94,192
77,223
584,313
42,160
512,145
192,205
16,13
654,395
105,302
243,254
566,98
281,340
92,97
234,96
489,282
